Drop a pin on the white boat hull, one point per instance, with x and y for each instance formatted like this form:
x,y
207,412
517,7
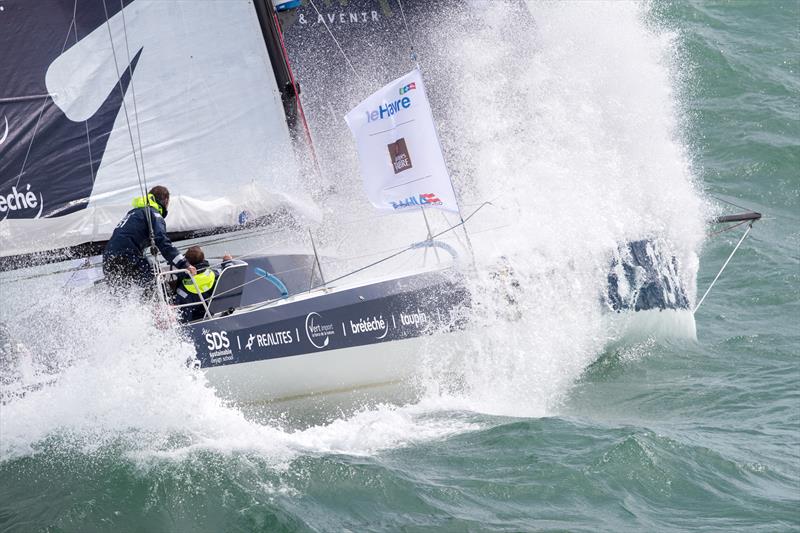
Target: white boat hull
x,y
309,374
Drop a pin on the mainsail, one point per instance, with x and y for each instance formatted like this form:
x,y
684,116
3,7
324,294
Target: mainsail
x,y
101,98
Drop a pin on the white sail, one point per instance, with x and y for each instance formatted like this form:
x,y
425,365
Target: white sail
x,y
202,113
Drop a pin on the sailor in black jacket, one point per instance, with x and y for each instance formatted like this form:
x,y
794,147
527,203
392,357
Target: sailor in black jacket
x,y
123,258
186,290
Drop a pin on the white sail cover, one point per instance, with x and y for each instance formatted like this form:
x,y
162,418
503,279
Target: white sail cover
x,y
96,96
401,160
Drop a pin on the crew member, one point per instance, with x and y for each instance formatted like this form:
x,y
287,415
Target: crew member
x,y
186,290
124,262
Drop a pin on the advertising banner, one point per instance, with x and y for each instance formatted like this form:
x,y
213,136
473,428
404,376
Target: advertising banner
x,y
398,149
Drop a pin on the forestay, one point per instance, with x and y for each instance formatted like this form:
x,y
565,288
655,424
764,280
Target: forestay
x,y
98,96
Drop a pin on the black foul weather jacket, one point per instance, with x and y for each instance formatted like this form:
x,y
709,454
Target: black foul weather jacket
x,y
131,238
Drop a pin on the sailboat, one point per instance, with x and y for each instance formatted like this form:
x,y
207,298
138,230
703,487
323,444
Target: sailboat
x,y
102,98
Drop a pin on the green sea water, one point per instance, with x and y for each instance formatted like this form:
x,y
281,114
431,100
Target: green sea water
x,y
654,436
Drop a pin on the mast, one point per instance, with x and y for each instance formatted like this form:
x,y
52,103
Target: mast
x,y
280,65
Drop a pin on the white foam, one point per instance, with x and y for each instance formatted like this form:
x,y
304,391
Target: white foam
x,y
573,130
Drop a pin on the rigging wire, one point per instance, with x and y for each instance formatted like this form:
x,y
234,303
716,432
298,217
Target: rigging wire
x,y
408,34
139,175
728,228
730,203
125,106
133,94
392,256
747,231
339,46
361,269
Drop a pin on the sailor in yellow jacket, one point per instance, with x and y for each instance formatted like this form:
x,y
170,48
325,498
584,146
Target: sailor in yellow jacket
x,y
186,291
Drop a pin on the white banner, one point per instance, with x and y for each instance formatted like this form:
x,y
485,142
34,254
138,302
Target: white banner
x,y
401,160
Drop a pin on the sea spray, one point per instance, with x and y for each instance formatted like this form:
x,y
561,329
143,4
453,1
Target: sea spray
x,y
571,129
102,378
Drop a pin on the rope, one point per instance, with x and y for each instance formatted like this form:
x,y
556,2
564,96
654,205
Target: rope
x,y
28,98
723,267
125,108
728,228
408,34
139,175
133,94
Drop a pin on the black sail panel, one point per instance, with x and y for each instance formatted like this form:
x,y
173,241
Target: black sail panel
x,y
47,161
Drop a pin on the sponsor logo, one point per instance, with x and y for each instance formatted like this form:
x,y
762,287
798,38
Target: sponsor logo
x,y
388,109
18,200
219,346
398,151
217,340
410,87
414,319
375,325
415,201
319,335
265,340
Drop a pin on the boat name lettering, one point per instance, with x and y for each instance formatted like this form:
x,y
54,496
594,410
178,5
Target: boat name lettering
x,y
413,319
361,17
389,109
18,200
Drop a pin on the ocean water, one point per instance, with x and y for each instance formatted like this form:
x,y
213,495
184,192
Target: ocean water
x,y
602,122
